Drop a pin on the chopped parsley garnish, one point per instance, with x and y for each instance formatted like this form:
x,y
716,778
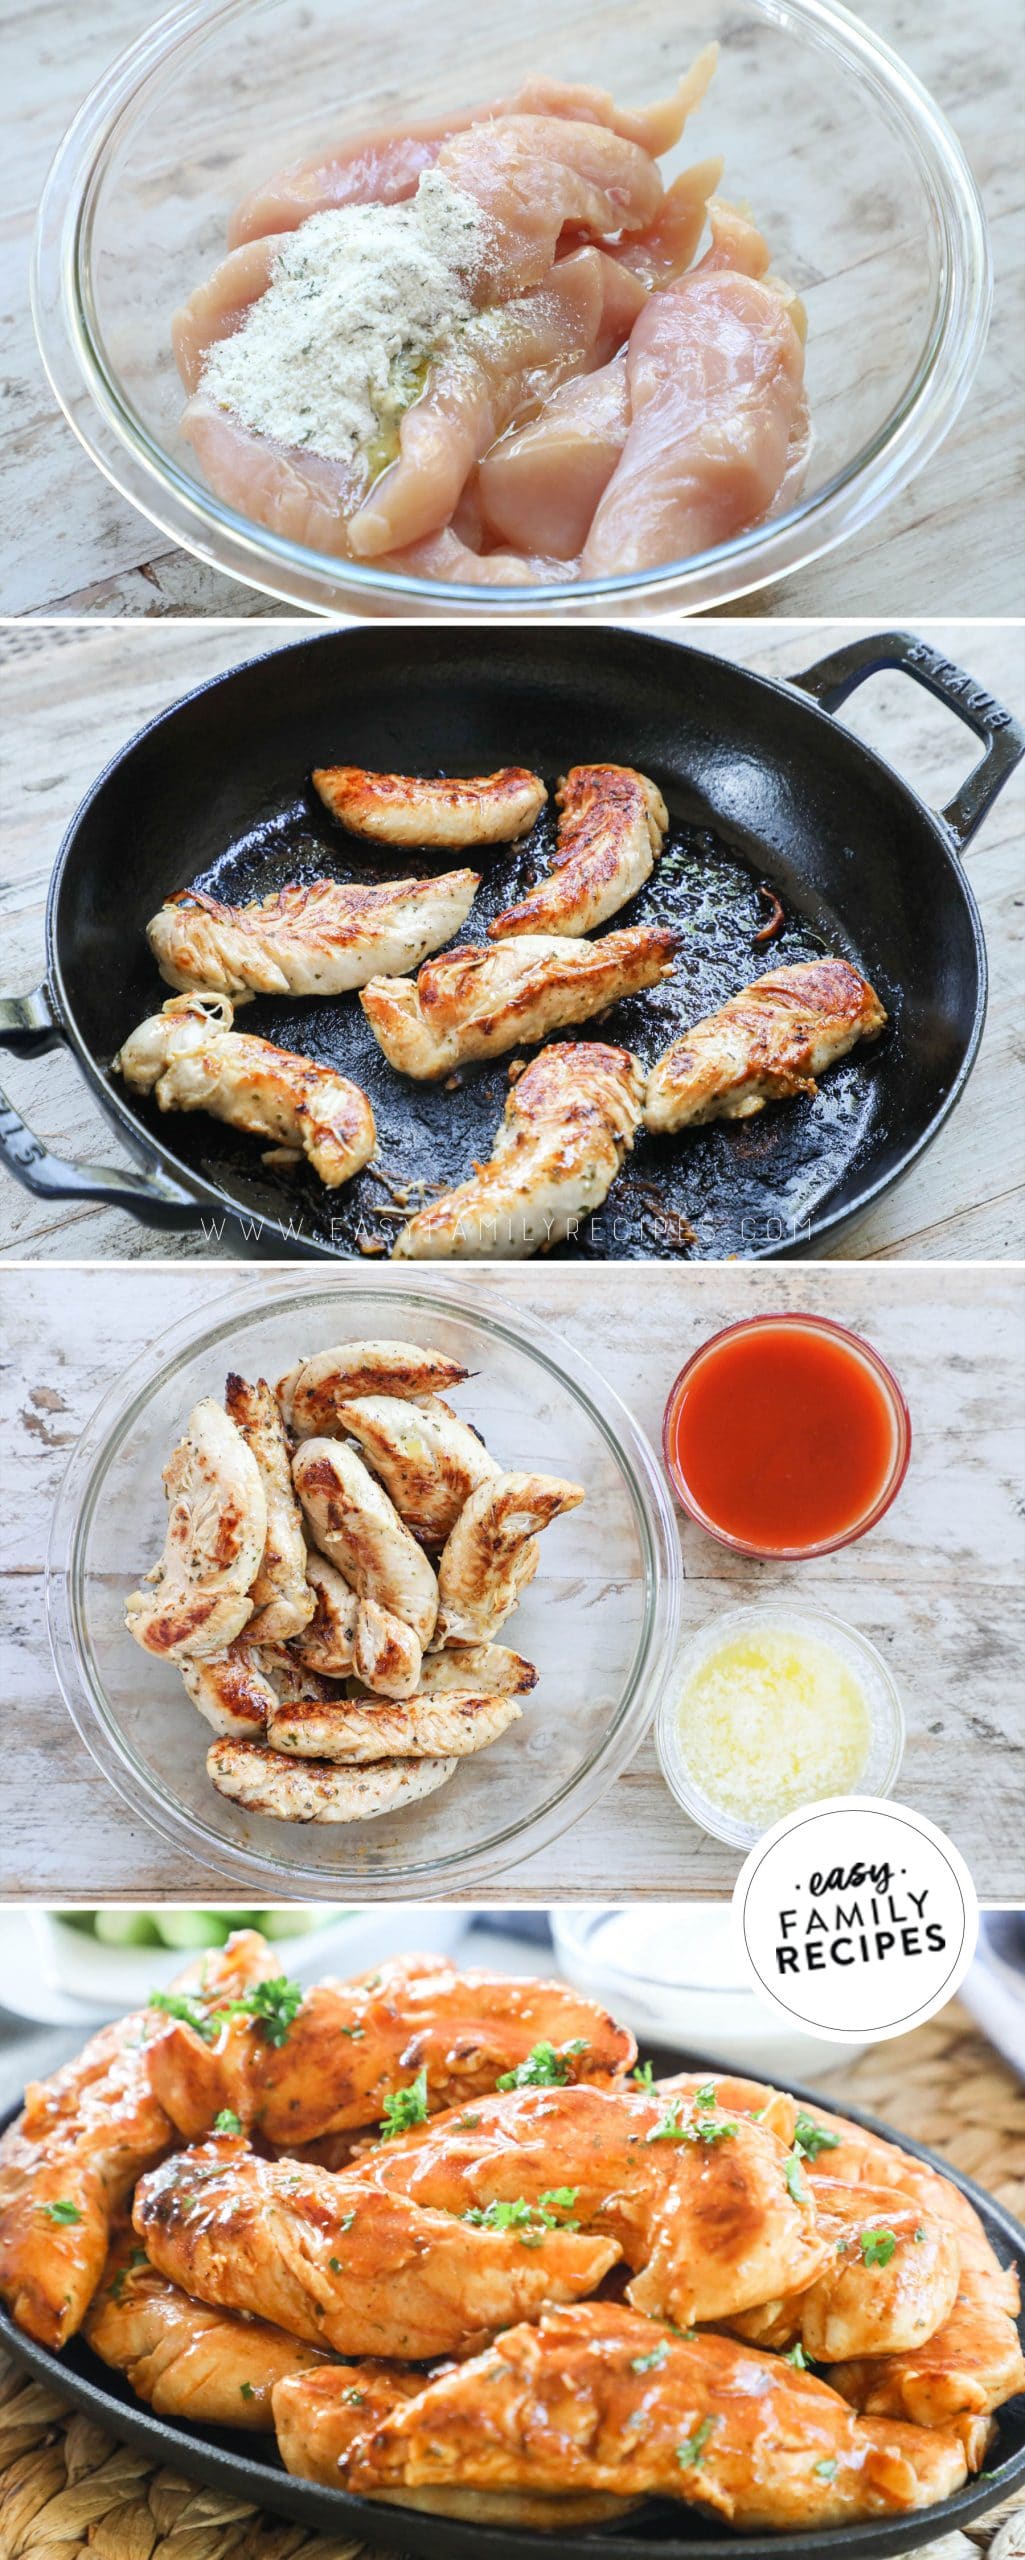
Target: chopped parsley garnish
x,y
355,2034
348,2219
920,2233
543,2068
247,2391
563,2197
794,2181
707,2095
61,2211
175,2005
335,2265
811,2138
826,2470
406,2107
670,2129
272,2006
529,2221
690,2454
137,2258
877,2247
467,2124
650,2364
644,2075
355,2399
227,2121
796,2356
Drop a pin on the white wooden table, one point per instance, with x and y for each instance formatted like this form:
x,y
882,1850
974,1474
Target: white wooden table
x,y
937,1586
950,540
69,697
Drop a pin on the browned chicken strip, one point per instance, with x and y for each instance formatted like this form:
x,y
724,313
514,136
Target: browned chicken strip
x,y
354,1730
82,2140
596,2398
283,1602
407,809
698,2201
216,2368
476,1003
428,1461
314,1393
611,825
890,2279
189,1058
196,1600
767,1044
315,2427
353,2044
326,1645
491,1553
493,1667
319,939
290,1790
343,2265
569,1122
355,1523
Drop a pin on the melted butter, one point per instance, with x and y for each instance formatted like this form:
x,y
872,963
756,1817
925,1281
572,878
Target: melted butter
x,y
407,381
771,1721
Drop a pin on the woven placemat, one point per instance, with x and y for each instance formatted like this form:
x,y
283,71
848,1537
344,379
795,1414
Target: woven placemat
x,y
70,2492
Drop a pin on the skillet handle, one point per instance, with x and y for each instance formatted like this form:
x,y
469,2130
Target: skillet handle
x,y
144,1189
833,678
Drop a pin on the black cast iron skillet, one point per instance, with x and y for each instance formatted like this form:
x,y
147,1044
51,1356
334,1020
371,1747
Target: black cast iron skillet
x,y
762,785
658,2532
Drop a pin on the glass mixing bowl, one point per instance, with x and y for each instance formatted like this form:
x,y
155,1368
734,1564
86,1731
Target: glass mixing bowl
x,y
861,186
599,1621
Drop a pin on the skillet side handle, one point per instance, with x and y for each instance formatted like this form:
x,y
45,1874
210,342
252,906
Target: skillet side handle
x,y
833,678
28,1023
147,1191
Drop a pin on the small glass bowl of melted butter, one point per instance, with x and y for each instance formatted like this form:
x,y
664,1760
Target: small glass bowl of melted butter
x,y
771,1708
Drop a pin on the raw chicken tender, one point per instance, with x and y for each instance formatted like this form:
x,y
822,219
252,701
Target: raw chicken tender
x,y
505,364
715,375
539,488
531,175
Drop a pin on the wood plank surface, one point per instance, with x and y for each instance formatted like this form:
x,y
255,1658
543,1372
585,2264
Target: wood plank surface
x,y
937,1586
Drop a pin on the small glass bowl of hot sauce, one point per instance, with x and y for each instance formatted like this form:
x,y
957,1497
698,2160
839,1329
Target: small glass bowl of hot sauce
x,y
786,1436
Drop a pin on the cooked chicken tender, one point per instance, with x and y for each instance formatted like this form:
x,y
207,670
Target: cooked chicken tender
x,y
697,2200
84,2136
189,1058
611,825
353,2044
283,1602
290,1790
344,2266
356,1525
312,1394
595,2398
327,1644
972,2363
386,1655
214,1546
314,2427
768,1043
476,1002
357,1730
318,939
410,809
491,1667
484,1563
569,1123
237,1690
214,2368
890,2280
427,1460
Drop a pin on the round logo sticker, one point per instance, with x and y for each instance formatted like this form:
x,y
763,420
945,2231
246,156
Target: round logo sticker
x,y
856,1917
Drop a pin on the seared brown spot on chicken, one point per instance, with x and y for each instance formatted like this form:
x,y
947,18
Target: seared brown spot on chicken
x,y
569,1122
353,2043
290,1790
476,1003
283,1603
611,825
871,2300
83,2138
766,1045
596,2398
319,939
238,1690
216,1535
386,1654
428,1461
343,2265
313,1394
406,809
185,2360
356,1730
492,1667
492,1552
326,1645
189,1058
